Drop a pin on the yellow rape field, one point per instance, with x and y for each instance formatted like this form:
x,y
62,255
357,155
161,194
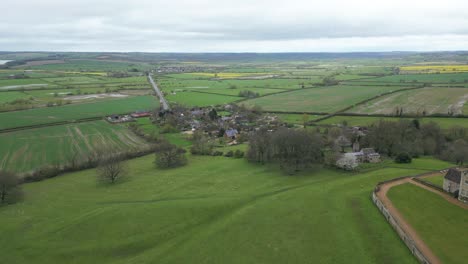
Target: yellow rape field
x,y
434,69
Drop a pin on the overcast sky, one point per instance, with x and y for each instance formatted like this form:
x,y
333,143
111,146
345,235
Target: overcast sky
x,y
233,26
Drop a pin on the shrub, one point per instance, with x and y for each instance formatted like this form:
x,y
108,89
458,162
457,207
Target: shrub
x,y
238,154
217,153
403,158
229,154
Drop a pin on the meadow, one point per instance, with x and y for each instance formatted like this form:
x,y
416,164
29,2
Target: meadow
x,y
75,111
444,123
191,99
214,210
91,65
439,223
425,78
26,150
324,99
429,100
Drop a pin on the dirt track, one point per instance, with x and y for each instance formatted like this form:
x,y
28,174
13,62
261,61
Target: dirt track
x,y
382,195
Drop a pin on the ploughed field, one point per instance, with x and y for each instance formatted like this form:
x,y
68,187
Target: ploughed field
x,y
213,210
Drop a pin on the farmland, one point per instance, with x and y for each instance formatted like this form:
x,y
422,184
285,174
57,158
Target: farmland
x,y
434,69
444,123
220,209
427,100
77,111
438,222
26,150
192,214
323,99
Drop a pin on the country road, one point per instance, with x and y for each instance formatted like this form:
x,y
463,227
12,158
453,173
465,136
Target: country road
x,y
162,100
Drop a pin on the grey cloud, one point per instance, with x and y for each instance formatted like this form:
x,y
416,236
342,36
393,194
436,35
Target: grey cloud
x,y
204,25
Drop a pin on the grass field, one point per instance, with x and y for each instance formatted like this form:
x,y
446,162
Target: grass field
x,y
323,99
6,97
200,99
444,123
91,65
149,128
440,224
437,180
426,78
76,111
430,100
215,210
23,151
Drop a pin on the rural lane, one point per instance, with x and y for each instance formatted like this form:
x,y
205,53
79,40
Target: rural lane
x,y
162,100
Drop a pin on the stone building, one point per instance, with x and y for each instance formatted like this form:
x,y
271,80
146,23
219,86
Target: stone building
x,y
456,183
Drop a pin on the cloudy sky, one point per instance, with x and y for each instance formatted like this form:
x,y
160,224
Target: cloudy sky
x,y
233,26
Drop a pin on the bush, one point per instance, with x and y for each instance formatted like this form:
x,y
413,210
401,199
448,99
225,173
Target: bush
x,y
217,153
403,158
229,154
238,154
169,155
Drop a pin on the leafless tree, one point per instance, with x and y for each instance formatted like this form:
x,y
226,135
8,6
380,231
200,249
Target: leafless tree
x,y
9,187
111,168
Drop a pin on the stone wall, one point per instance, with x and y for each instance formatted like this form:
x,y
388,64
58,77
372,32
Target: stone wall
x,y
404,236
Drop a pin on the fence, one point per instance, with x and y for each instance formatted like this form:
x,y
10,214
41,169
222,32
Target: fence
x,y
403,235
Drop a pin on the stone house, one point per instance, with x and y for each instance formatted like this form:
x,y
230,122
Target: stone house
x,y
367,155
456,183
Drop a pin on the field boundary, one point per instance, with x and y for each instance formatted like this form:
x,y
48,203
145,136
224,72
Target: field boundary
x,y
415,244
408,240
60,123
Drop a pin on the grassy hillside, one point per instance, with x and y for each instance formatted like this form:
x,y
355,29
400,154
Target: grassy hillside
x,y
215,210
440,224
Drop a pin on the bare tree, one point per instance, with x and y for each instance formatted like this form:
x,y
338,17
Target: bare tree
x,y
9,187
169,155
111,168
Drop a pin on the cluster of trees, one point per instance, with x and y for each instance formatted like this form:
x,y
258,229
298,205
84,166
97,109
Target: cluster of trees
x,y
169,155
10,190
248,94
293,150
394,138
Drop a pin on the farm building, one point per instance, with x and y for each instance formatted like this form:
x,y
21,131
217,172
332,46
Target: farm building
x,y
140,113
456,182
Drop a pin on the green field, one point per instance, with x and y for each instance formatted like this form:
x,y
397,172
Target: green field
x,y
437,180
26,150
6,97
426,78
444,123
430,100
215,210
439,223
76,111
200,99
91,65
323,99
